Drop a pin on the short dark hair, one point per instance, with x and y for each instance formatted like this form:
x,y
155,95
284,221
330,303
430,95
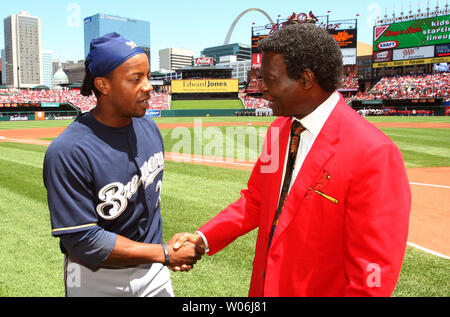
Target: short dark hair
x,y
307,46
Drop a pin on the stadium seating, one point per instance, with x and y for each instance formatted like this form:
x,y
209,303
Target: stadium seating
x,y
349,83
251,102
254,85
409,87
157,100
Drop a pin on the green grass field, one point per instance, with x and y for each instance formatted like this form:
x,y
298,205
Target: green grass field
x,y
206,104
32,265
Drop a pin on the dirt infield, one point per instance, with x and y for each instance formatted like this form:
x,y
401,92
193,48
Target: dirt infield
x,y
31,134
430,187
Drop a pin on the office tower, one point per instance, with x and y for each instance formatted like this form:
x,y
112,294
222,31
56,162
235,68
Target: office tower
x,y
47,68
100,24
23,51
174,58
241,51
3,67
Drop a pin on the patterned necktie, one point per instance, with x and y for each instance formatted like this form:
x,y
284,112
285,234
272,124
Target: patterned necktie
x,y
296,129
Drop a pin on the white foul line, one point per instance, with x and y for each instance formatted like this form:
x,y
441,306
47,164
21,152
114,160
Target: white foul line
x,y
25,141
427,250
430,185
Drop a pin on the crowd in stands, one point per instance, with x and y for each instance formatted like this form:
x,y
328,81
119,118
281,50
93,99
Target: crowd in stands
x,y
264,112
370,112
350,83
394,112
73,96
251,102
399,87
159,101
254,85
409,87
48,95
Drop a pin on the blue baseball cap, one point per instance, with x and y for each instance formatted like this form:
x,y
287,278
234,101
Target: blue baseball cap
x,y
109,52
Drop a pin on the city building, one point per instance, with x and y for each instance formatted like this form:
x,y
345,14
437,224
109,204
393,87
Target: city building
x,y
174,58
166,75
75,71
364,64
23,50
47,68
60,78
241,51
3,76
100,24
202,72
240,68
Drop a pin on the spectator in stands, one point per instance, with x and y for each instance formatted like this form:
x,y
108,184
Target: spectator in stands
x,y
73,96
409,87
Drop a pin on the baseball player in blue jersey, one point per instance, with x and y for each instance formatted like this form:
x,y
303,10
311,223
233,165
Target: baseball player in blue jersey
x,y
103,177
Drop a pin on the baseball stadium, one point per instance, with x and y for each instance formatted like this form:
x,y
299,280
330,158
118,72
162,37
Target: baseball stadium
x,y
214,126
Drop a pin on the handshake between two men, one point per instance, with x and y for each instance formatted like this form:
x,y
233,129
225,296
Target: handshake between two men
x,y
185,249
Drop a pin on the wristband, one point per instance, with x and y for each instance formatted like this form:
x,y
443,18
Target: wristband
x,y
166,254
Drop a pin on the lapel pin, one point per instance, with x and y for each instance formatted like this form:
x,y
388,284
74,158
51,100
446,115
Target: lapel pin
x,y
333,200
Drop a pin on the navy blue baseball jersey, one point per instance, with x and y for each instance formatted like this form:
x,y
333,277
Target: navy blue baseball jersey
x,y
97,175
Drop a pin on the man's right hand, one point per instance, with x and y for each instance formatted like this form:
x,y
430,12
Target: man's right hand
x,y
185,246
184,251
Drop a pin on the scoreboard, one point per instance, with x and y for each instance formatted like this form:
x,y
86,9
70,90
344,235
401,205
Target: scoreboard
x,y
415,42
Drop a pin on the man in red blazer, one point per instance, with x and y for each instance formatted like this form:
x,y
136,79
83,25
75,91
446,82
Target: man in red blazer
x,y
343,227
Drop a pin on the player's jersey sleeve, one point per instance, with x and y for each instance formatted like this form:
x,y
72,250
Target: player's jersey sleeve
x,y
70,198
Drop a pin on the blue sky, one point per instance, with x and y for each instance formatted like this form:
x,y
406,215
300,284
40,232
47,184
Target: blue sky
x,y
189,24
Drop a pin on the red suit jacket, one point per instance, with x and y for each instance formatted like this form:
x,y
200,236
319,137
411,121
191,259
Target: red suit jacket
x,y
350,242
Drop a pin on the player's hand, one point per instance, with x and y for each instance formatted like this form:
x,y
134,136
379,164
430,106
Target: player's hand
x,y
184,255
181,238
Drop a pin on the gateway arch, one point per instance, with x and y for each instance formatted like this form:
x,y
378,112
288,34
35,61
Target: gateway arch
x,y
230,31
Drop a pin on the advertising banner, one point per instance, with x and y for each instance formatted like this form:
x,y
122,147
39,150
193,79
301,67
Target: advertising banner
x,y
345,38
413,53
442,50
153,113
441,67
423,61
423,32
385,56
447,111
205,86
204,60
256,60
349,56
49,104
39,115
18,118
